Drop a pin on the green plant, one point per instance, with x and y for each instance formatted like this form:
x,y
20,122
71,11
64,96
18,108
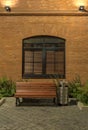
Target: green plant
x,y
74,87
7,87
83,94
78,91
0,96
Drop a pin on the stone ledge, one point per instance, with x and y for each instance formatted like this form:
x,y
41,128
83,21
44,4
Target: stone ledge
x,y
81,106
44,13
2,101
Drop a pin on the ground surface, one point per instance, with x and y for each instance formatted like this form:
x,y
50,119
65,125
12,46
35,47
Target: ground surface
x,y
47,117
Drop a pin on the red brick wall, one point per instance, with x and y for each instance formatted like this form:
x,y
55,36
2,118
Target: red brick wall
x,y
44,4
73,28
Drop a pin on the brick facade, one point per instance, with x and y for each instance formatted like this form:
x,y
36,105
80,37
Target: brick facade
x,y
15,28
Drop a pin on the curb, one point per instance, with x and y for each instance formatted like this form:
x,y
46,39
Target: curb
x,y
2,101
81,106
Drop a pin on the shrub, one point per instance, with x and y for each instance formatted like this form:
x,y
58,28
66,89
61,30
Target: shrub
x,y
7,87
78,91
83,95
0,96
74,87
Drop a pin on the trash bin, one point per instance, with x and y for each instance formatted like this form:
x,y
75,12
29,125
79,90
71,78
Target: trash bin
x,y
63,93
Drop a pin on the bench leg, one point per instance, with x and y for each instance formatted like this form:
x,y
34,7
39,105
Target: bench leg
x,y
56,101
17,101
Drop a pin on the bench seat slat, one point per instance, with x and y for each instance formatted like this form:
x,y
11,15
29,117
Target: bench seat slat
x,y
36,88
42,87
33,94
29,86
36,91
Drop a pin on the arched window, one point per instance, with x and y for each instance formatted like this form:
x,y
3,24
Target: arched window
x,y
43,56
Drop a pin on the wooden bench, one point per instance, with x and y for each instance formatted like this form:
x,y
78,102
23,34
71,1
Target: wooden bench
x,y
35,90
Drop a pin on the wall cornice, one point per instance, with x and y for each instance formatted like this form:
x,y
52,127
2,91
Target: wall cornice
x,y
44,13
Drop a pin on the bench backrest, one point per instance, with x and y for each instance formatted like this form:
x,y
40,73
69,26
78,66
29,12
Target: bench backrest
x,y
35,86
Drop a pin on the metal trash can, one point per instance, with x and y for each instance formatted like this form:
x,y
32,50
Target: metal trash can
x,y
63,93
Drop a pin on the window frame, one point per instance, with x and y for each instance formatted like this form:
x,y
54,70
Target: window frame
x,y
43,75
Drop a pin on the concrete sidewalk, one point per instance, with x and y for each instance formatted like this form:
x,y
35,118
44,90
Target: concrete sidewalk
x,y
42,117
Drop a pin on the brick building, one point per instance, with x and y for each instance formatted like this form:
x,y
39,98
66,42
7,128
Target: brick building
x,y
43,37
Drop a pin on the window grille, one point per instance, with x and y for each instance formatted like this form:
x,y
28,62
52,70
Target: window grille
x,y
43,56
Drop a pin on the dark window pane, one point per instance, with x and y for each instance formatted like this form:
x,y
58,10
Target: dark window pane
x,y
28,57
37,68
43,56
37,56
28,68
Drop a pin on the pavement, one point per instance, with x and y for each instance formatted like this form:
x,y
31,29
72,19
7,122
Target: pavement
x,y
42,116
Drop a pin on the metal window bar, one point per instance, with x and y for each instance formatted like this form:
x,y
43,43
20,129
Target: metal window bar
x,y
44,47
